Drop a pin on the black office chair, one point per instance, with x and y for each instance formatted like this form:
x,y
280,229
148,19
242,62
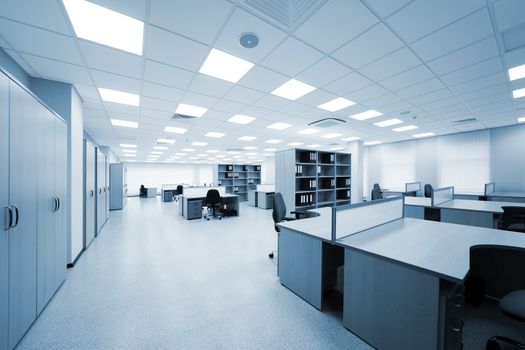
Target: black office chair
x,y
513,219
178,192
279,214
143,192
376,192
213,202
428,190
493,273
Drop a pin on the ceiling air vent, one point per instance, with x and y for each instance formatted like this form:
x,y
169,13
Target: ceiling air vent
x,y
465,121
235,150
327,122
182,116
165,142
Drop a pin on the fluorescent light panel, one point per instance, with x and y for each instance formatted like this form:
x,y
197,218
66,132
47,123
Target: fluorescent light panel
x,y
129,151
314,145
351,138
104,26
371,143
128,145
169,141
124,123
405,128
224,66
331,136
247,148
336,104
517,72
295,143
160,147
191,110
188,150
366,115
308,131
274,141
241,119
247,138
518,93
425,134
175,130
270,149
293,89
521,120
121,97
215,134
155,152
198,143
279,126
388,122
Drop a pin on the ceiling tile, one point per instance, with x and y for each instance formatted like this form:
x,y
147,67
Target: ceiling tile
x,y
20,61
201,100
51,69
161,91
398,61
40,42
115,82
515,57
347,84
43,13
367,93
423,101
365,49
323,72
229,106
409,77
243,95
490,66
329,27
480,83
490,91
423,17
386,8
86,91
292,57
477,52
316,97
174,16
167,75
210,86
241,22
263,79
110,60
271,102
509,13
421,88
158,104
175,50
381,101
455,36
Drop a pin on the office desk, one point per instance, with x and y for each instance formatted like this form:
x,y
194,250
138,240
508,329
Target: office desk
x,y
167,192
191,205
265,199
151,192
507,196
400,279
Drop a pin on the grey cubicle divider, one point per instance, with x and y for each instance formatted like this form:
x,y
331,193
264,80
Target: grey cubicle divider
x,y
413,186
489,188
442,195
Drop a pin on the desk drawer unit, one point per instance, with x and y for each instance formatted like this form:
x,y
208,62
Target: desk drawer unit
x,y
194,209
451,306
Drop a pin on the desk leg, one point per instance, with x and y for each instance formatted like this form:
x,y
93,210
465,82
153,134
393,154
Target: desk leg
x,y
389,305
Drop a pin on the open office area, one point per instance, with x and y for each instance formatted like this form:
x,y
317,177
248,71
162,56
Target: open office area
x,y
237,174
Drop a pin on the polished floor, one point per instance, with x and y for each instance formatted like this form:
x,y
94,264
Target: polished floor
x,y
153,280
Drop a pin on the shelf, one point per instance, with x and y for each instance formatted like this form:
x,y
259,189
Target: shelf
x,y
325,189
325,202
306,191
343,188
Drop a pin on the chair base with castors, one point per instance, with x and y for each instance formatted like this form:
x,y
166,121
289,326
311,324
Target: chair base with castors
x,y
513,306
494,343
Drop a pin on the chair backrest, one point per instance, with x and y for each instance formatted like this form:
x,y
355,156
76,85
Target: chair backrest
x,y
279,209
213,197
376,194
179,189
377,187
428,190
513,218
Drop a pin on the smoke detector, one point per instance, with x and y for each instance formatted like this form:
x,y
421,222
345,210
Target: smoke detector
x,y
249,40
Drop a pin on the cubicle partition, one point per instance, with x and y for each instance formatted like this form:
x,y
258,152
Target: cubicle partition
x,y
489,188
442,195
412,187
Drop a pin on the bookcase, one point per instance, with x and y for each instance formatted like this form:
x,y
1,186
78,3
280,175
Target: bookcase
x,y
238,178
311,179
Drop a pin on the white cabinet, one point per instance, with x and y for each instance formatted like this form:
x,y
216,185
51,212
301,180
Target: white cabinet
x,y
118,186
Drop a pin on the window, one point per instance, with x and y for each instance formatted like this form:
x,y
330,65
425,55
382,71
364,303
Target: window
x,y
398,162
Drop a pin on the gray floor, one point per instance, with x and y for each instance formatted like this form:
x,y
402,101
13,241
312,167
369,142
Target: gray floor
x,y
152,280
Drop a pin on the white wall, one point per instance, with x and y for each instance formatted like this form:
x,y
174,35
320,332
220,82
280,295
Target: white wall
x,y
268,171
157,174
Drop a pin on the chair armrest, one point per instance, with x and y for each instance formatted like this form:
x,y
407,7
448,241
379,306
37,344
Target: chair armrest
x,y
299,214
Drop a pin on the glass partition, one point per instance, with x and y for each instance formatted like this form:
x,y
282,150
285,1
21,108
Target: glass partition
x,y
413,186
201,191
489,188
442,195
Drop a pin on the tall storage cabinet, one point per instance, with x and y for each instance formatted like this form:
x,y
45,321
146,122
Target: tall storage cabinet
x,y
33,180
118,186
238,178
101,190
90,193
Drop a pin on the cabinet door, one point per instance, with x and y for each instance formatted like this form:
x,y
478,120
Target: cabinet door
x,y
22,193
90,194
4,203
100,190
106,195
60,185
46,230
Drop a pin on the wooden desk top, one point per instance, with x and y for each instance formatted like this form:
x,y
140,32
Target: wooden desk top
x,y
442,249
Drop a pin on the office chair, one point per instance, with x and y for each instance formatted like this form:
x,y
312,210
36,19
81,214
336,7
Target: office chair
x,y
493,270
279,214
143,192
213,202
428,190
178,192
376,192
513,219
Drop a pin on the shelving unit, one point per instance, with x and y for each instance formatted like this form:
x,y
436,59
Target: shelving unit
x,y
238,178
311,179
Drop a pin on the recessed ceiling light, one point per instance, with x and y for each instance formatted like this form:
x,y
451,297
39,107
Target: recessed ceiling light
x,y
425,134
128,145
388,122
405,128
198,143
314,145
336,104
224,66
233,152
124,123
180,154
351,138
293,89
101,25
121,97
131,160
273,141
366,115
160,147
168,141
336,148
194,158
129,151
295,143
308,131
237,157
247,148
212,151
202,155
215,134
517,72
371,143
241,119
191,110
268,154
521,120
247,138
279,126
188,150
129,155
270,149
156,152
252,153
331,136
175,130
518,93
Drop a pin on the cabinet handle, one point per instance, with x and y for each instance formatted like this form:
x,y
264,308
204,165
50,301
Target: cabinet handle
x,y
8,223
58,202
17,216
92,193
54,204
